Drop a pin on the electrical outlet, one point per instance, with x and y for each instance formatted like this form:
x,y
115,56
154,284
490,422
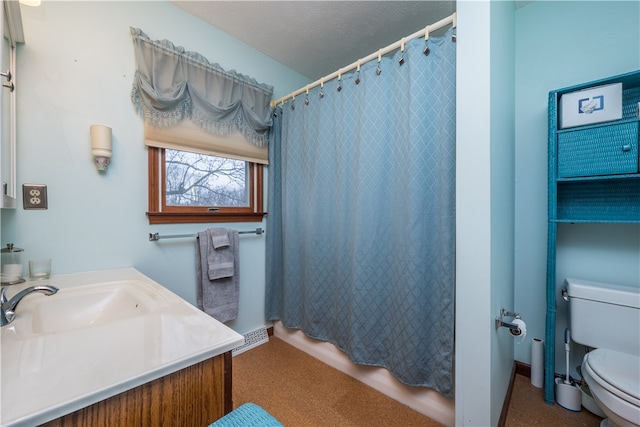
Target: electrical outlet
x,y
34,196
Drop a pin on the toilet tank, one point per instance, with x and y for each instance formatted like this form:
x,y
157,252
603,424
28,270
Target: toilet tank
x,y
603,315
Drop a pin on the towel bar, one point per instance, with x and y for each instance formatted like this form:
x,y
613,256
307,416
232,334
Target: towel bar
x,y
156,236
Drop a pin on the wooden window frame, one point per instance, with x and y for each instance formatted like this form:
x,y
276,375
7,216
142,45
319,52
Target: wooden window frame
x,y
159,213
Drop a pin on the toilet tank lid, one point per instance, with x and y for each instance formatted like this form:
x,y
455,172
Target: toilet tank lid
x,y
604,292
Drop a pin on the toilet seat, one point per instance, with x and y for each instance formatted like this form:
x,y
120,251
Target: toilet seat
x,y
617,372
609,374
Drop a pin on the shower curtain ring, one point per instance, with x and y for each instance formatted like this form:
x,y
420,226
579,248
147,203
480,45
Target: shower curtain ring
x,y
401,61
357,80
426,50
339,88
306,98
454,26
378,69
293,100
321,94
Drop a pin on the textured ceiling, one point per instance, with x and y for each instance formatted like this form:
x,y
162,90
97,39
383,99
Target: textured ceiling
x,y
315,38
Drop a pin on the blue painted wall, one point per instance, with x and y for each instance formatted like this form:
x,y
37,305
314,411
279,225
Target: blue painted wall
x,y
76,69
559,44
502,194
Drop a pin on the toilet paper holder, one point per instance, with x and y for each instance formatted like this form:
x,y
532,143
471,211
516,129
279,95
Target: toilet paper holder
x,y
500,323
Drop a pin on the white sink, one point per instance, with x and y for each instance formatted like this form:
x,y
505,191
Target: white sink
x,y
92,305
102,333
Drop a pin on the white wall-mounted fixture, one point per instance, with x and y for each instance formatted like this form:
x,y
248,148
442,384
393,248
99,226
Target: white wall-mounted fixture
x,y
11,27
101,146
30,2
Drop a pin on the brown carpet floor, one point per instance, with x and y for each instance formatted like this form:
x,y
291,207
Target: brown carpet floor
x,y
301,391
528,409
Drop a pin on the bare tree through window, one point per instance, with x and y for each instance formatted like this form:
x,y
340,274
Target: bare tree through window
x,y
201,180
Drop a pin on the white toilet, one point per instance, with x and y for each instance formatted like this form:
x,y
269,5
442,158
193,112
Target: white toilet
x,y
607,318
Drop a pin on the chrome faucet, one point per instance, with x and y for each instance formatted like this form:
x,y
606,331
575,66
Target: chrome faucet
x,y
8,310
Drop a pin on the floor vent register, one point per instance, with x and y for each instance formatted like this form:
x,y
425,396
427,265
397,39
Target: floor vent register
x,y
252,339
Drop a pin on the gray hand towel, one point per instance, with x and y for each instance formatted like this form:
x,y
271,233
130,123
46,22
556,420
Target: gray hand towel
x,y
221,256
219,237
218,298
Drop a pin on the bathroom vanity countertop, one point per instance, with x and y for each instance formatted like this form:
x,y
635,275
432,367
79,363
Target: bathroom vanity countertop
x,y
54,367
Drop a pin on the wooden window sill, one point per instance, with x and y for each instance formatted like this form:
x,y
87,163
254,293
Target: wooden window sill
x,y
196,217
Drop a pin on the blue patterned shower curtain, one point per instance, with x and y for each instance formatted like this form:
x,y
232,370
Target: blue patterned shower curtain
x,y
361,214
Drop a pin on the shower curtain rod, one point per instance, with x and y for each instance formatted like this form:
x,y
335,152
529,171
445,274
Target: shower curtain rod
x,y
451,19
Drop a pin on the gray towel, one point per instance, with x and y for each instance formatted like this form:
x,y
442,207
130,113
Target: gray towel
x,y
221,257
218,298
219,237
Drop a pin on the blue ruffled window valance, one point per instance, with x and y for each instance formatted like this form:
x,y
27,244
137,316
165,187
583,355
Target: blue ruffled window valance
x,y
171,84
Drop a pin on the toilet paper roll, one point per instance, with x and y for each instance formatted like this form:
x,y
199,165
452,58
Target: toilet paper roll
x,y
522,329
537,362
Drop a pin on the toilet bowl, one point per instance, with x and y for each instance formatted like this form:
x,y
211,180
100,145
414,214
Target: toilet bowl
x,y
604,316
614,380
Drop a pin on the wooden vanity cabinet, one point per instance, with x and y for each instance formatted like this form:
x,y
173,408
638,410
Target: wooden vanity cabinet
x,y
194,396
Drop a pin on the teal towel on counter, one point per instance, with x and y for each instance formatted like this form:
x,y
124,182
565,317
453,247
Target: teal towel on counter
x,y
218,297
247,415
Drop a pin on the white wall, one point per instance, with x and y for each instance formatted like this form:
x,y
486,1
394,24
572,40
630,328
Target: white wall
x,y
484,208
76,69
559,44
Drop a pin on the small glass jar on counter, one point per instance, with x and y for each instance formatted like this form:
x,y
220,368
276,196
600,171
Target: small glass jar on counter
x,y
11,265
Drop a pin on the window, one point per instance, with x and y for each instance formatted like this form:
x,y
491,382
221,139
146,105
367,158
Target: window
x,y
186,187
190,105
